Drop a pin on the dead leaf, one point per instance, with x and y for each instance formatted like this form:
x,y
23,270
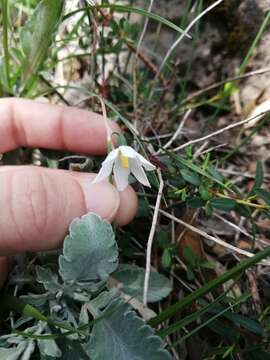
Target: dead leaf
x,y
189,238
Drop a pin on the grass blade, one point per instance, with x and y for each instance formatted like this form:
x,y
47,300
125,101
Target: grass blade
x,y
5,39
192,332
135,10
213,284
37,36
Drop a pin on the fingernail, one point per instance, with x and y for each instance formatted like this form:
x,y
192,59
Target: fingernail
x,y
101,198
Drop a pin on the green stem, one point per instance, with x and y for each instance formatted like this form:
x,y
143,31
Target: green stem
x,y
11,303
5,39
192,332
255,43
197,294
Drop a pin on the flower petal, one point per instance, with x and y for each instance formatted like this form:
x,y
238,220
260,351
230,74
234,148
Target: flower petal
x,y
128,151
111,156
137,170
104,172
145,163
120,175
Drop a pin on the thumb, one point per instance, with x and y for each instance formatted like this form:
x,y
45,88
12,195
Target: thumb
x,y
38,205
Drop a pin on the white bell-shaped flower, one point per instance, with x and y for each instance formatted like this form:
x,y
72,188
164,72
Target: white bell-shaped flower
x,y
123,161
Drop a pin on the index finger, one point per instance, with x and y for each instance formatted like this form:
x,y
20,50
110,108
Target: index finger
x,y
34,124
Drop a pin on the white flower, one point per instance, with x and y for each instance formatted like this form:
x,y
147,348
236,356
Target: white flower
x,y
123,161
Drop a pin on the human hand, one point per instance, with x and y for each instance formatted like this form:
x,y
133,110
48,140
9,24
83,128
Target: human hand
x,y
38,204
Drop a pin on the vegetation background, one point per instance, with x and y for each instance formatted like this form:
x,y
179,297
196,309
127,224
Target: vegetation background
x,y
186,80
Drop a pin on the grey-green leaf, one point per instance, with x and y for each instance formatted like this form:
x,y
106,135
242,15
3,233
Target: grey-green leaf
x,y
72,350
90,250
132,279
122,335
13,353
49,348
37,35
47,278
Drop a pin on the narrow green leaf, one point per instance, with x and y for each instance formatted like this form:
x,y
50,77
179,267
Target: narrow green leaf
x,y
263,194
259,175
194,316
132,9
215,174
12,303
190,177
213,284
245,322
37,35
166,259
210,321
197,169
196,202
223,204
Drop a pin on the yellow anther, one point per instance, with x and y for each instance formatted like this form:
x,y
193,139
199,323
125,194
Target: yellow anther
x,y
124,161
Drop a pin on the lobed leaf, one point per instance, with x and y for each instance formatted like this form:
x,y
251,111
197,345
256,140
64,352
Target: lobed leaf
x,y
122,335
90,250
132,279
13,353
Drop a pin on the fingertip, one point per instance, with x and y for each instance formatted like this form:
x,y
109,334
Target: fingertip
x,y
101,198
128,206
115,128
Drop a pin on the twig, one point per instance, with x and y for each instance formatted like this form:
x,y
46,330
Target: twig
x,y
177,42
254,291
201,149
236,227
218,84
213,148
151,66
144,26
151,237
145,312
176,134
239,173
220,131
61,97
209,237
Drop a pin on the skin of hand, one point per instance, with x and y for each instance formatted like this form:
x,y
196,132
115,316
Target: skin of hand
x,y
38,204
